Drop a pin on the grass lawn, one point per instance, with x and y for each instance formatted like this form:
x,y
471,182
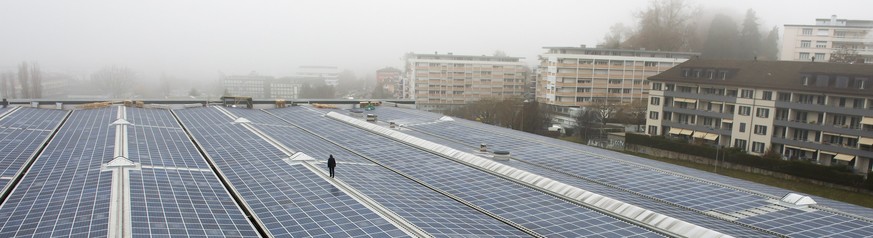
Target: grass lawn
x,y
860,199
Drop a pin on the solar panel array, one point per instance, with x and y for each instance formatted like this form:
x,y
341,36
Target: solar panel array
x,y
288,200
543,155
64,193
176,193
437,214
532,209
21,135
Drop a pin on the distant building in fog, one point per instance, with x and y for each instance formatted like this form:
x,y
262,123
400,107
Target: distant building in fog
x,y
389,78
441,82
327,74
803,42
258,86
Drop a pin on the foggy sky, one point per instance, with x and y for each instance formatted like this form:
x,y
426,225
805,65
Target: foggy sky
x,y
198,39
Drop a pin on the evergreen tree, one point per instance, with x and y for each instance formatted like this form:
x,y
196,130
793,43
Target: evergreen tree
x,y
750,37
721,42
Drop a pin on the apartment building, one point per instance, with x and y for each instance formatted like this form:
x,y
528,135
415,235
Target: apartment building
x,y
814,111
803,42
570,78
261,87
438,82
328,74
389,78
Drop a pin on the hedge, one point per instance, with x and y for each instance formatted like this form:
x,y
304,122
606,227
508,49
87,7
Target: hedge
x,y
802,169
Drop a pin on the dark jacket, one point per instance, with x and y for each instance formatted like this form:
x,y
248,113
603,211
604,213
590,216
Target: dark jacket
x,y
331,162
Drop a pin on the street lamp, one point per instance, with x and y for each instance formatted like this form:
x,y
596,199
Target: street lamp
x,y
717,146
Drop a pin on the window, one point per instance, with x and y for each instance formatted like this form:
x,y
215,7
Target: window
x,y
757,147
786,97
686,73
668,116
722,74
767,95
760,130
800,134
684,89
615,81
782,114
762,112
655,101
656,86
746,93
739,143
860,83
842,82
821,44
822,32
745,110
804,55
614,90
653,130
651,64
653,115
805,44
669,87
807,31
626,90
858,103
742,127
820,56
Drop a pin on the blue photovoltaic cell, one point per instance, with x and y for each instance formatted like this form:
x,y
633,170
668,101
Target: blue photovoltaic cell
x,y
436,214
157,139
290,201
64,193
184,198
565,156
537,211
184,203
21,134
798,223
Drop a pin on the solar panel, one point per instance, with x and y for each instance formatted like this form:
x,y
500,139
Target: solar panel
x,y
176,193
429,210
799,223
64,193
21,135
287,200
537,211
556,155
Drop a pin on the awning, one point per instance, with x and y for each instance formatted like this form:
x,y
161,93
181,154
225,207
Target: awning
x,y
827,152
688,100
711,136
727,120
799,148
844,157
675,130
686,132
828,133
698,134
867,120
866,141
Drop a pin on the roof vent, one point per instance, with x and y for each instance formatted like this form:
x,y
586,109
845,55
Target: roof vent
x,y
241,120
501,155
121,121
797,199
483,147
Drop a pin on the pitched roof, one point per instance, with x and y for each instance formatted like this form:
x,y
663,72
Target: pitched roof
x,y
785,75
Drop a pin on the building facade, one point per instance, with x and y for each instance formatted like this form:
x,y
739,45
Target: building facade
x,y
328,74
258,86
440,82
820,41
389,78
820,112
572,78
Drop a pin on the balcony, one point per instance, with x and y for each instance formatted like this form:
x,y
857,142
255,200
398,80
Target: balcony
x,y
815,126
823,108
691,111
705,97
821,146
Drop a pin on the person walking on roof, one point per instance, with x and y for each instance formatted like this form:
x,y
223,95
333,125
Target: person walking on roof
x,y
331,164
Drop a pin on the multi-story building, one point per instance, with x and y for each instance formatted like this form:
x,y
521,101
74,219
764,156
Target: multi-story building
x,y
571,78
257,86
440,82
819,41
813,111
389,78
328,74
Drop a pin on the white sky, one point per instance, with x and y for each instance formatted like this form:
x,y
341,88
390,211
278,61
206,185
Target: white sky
x,y
197,39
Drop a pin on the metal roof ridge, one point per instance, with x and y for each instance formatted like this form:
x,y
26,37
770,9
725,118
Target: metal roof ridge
x,y
619,209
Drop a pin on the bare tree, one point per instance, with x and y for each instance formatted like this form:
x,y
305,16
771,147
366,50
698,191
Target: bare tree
x,y
635,111
23,79
499,53
665,25
604,110
114,81
618,33
846,55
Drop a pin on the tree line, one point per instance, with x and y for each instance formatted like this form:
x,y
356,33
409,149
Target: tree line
x,y
678,25
26,83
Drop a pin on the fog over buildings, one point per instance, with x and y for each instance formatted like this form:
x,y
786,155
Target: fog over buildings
x,y
198,40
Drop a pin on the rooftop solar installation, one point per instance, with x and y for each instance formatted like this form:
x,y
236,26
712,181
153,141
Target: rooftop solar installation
x,y
533,209
437,214
289,200
22,133
540,152
65,193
